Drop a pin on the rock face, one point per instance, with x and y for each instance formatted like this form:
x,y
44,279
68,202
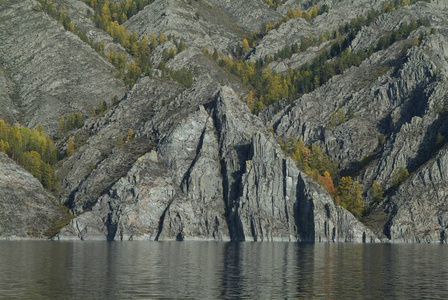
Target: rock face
x,y
216,175
418,209
26,209
199,164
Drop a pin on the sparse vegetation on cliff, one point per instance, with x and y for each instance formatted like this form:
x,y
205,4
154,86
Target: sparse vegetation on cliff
x,y
31,149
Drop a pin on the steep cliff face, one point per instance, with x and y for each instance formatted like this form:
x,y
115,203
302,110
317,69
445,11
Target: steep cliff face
x,y
170,162
418,210
216,174
26,209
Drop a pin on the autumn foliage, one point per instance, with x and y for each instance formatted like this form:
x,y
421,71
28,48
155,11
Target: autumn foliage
x,y
315,163
31,149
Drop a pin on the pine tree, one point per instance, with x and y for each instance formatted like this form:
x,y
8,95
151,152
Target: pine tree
x,y
4,146
35,164
71,27
250,100
91,111
399,176
245,46
134,72
349,196
120,141
71,121
162,38
70,146
61,127
290,14
130,134
4,130
111,55
314,11
15,143
215,55
100,108
101,50
28,147
377,191
48,177
79,120
153,40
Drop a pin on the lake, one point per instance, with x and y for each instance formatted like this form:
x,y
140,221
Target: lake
x,y
215,270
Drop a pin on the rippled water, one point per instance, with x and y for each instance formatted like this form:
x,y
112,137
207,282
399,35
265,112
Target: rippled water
x,y
208,270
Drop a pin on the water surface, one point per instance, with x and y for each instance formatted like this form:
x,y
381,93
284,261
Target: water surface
x,y
209,270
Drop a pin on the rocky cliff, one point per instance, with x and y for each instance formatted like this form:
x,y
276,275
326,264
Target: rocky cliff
x,y
199,164
217,174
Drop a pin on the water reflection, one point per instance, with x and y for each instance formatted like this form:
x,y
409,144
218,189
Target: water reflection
x,y
208,270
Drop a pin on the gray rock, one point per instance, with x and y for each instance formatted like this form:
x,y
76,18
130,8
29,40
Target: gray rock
x,y
267,197
418,210
217,175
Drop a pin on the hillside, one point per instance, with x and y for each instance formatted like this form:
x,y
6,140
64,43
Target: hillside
x,y
221,120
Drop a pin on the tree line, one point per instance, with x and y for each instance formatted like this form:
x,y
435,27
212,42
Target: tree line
x,y
31,149
72,122
118,11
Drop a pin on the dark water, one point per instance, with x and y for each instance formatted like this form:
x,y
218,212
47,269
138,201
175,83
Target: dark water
x,y
208,270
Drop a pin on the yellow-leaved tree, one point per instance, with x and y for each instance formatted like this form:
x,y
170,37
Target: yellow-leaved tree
x,y
349,196
70,146
245,46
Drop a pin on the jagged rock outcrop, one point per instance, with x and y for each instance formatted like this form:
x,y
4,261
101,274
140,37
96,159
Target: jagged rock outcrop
x,y
267,197
380,99
27,210
217,174
79,12
418,210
